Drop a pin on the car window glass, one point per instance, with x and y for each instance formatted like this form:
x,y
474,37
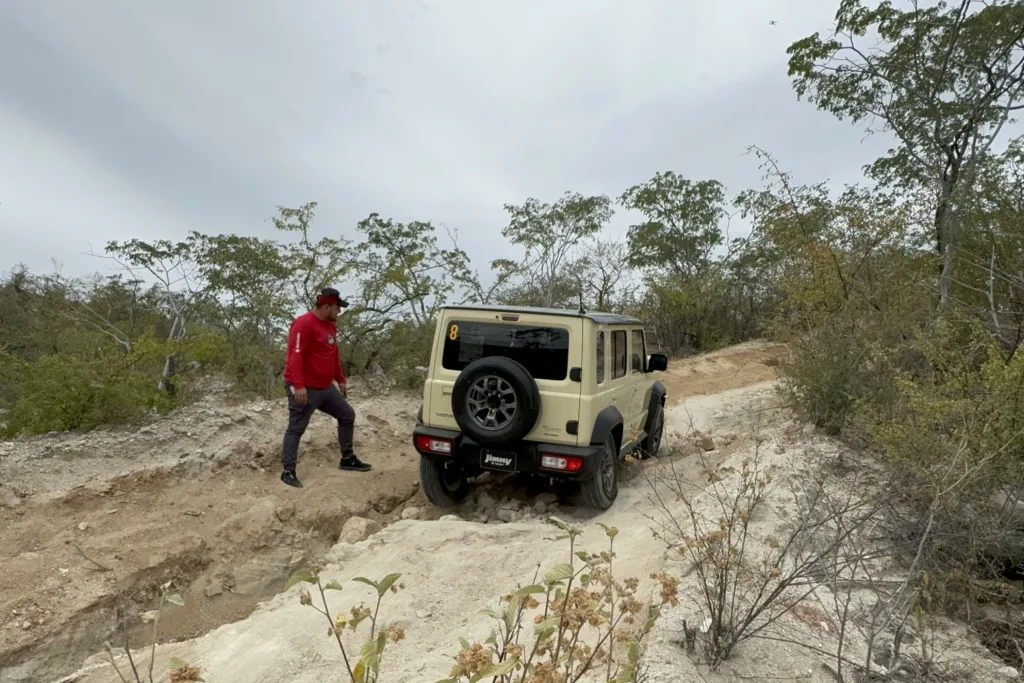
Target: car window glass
x,y
618,353
599,359
543,351
638,353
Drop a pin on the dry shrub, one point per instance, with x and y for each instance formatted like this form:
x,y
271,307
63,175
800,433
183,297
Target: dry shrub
x,y
748,578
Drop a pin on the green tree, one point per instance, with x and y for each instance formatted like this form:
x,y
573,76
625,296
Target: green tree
x,y
179,284
405,272
990,255
314,264
602,271
681,229
551,235
944,81
249,301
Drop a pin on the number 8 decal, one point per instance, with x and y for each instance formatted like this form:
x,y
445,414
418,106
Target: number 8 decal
x,y
453,332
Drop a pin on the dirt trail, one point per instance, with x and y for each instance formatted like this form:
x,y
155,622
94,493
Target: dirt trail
x,y
226,531
215,523
194,498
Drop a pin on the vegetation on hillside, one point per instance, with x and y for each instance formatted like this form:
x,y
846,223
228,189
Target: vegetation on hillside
x,y
80,352
901,298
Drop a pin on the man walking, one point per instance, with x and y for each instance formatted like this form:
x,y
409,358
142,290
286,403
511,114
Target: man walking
x,y
312,368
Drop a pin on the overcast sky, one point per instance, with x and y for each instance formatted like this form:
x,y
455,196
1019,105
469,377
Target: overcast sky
x,y
121,118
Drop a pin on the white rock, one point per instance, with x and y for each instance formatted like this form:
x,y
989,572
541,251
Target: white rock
x,y
358,529
84,526
1009,673
411,513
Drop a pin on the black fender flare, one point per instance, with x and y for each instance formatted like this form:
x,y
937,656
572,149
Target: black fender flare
x,y
655,395
608,419
419,415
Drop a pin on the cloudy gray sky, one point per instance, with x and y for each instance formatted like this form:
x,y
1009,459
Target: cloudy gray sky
x,y
122,118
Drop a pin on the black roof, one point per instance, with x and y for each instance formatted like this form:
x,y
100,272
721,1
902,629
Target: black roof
x,y
595,316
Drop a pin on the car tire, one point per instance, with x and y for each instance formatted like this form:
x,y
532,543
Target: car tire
x,y
651,444
508,380
444,484
601,490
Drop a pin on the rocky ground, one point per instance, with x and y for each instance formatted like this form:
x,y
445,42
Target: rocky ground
x,y
194,499
90,520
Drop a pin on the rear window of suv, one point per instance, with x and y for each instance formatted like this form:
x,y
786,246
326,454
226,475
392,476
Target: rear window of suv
x,y
543,351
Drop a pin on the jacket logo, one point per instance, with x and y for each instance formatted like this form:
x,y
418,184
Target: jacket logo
x,y
330,339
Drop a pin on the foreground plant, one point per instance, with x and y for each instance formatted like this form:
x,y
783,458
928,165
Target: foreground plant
x,y
579,615
181,671
367,667
745,582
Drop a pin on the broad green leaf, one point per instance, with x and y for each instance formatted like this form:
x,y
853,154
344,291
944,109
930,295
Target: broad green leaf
x,y
559,523
626,674
530,590
300,575
334,585
175,599
387,582
549,623
368,653
560,572
500,668
368,582
510,616
359,672
149,616
353,624
610,531
464,643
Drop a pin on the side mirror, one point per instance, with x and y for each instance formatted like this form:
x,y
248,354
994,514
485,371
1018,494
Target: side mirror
x,y
658,362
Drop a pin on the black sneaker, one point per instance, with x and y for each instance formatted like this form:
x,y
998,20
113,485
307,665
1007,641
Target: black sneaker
x,y
354,464
288,477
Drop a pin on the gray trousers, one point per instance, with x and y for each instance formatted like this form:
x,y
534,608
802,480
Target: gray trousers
x,y
327,400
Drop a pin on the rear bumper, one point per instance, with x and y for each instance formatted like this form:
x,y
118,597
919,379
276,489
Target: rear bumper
x,y
527,455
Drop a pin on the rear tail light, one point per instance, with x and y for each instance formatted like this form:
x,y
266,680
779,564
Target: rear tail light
x,y
433,445
562,463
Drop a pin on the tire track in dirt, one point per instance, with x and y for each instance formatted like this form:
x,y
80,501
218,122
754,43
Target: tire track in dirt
x,y
455,567
193,498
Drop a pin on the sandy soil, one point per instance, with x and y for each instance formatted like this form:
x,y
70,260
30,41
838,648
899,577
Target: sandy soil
x,y
195,498
452,567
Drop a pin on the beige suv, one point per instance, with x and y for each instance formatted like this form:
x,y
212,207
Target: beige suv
x,y
553,393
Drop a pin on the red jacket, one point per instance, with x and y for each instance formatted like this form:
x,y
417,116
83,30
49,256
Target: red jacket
x,y
312,359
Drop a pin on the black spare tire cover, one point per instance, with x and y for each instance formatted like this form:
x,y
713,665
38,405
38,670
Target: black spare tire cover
x,y
495,399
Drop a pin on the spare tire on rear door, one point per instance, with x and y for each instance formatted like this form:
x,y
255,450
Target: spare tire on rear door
x,y
495,399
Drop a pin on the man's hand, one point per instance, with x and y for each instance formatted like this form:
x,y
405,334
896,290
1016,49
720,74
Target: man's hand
x,y
300,396
343,388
